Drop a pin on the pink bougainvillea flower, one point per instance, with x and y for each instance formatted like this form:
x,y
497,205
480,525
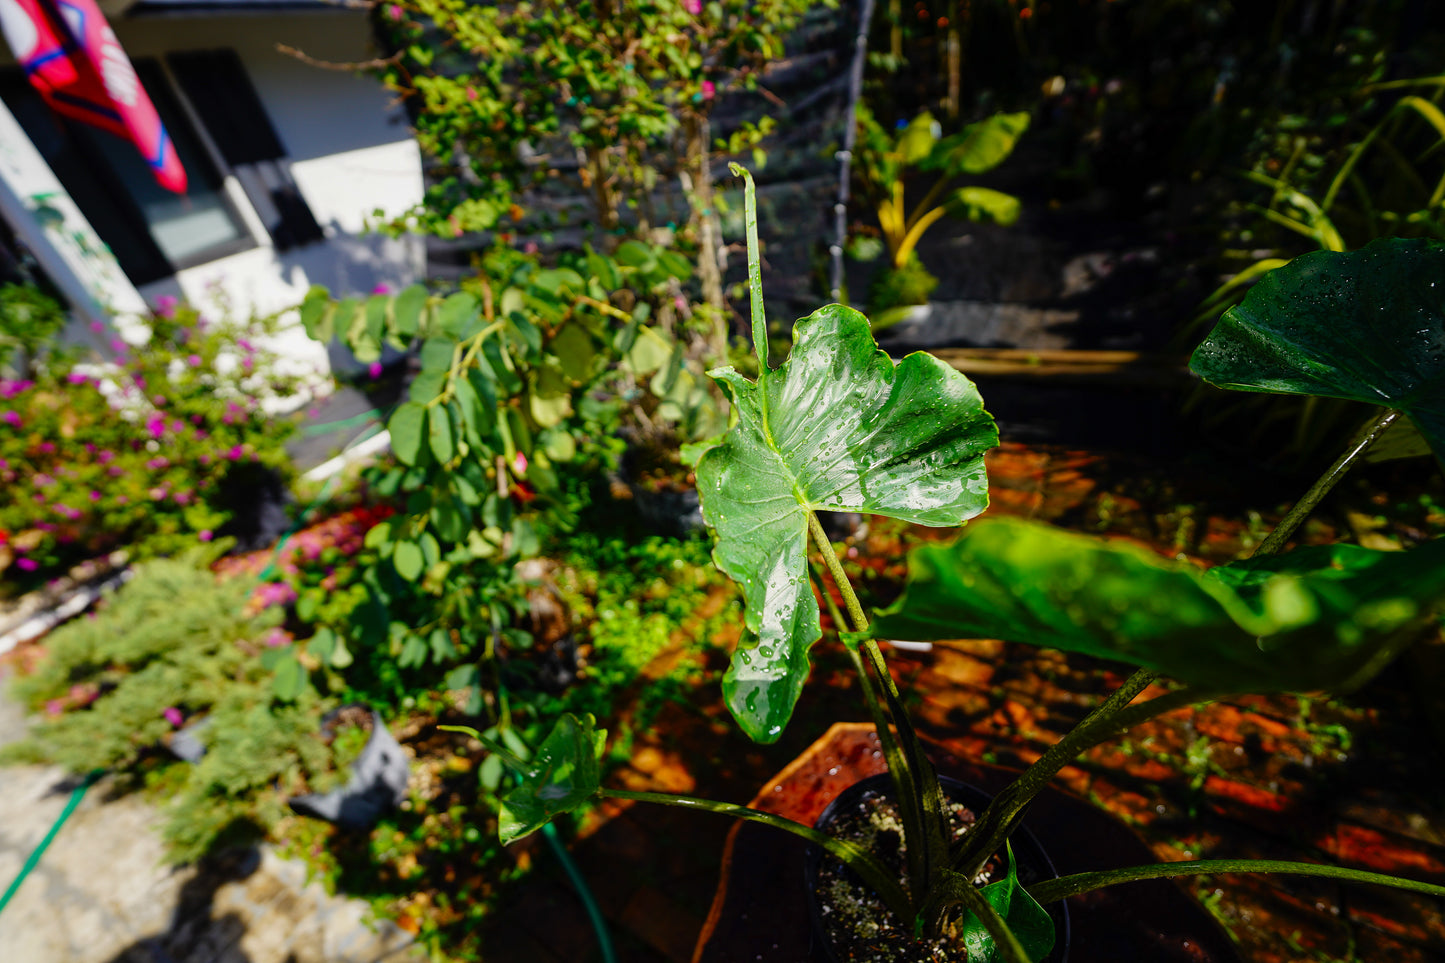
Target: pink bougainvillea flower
x,y
276,638
47,447
119,346
194,360
11,418
26,564
383,287
235,452
166,305
374,369
156,464
156,425
708,90
694,7
76,378
97,327
205,535
471,93
105,457
174,716
54,707
158,400
395,12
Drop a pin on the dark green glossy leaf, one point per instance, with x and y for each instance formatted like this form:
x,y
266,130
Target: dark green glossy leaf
x,y
1367,325
406,426
981,146
1311,619
560,776
838,427
478,417
439,433
502,373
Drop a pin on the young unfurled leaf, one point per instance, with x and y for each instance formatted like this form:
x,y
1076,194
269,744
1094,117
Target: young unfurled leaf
x,y
1366,325
1029,922
560,776
838,427
317,314
1315,618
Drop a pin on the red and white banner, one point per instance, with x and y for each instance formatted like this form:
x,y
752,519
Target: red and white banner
x,y
72,57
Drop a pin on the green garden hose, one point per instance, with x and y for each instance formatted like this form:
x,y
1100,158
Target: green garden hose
x,y
76,795
594,913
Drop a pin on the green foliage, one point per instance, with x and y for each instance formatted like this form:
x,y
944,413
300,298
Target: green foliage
x,y
883,163
174,645
96,457
838,427
30,320
505,97
560,776
895,289
1312,619
1364,326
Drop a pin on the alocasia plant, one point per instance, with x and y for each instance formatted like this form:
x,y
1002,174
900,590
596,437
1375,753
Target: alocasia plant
x,y
840,426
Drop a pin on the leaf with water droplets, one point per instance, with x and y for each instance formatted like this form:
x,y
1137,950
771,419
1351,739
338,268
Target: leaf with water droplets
x,y
1366,325
838,427
1325,617
561,775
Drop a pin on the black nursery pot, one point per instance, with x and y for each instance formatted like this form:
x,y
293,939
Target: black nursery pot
x,y
1033,864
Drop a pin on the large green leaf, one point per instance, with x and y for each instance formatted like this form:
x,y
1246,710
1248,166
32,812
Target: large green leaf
x,y
560,776
1367,325
1315,618
838,427
981,146
983,204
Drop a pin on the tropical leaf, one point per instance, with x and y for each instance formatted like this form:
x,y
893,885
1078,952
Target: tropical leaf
x,y
1367,325
838,427
560,776
983,204
1315,618
980,147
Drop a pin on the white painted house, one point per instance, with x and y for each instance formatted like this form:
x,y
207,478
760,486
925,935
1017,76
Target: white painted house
x,y
285,160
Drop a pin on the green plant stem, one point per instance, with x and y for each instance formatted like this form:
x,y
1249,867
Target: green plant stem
x,y
1066,886
1132,715
869,869
1007,808
920,797
1307,503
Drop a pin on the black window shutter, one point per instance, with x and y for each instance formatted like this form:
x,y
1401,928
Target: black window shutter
x,y
217,86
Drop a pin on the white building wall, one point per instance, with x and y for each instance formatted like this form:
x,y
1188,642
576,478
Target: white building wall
x,y
351,152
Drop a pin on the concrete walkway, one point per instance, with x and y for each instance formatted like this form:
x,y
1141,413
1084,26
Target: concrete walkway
x,y
102,893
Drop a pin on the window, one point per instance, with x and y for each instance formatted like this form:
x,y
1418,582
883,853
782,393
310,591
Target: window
x,y
152,232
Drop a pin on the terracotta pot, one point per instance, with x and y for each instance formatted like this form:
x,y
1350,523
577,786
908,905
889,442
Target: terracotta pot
x,y
760,911
1033,864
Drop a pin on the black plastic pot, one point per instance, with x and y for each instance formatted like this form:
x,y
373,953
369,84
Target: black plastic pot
x,y
1033,864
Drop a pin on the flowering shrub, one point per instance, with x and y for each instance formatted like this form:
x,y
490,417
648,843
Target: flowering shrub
x,y
136,453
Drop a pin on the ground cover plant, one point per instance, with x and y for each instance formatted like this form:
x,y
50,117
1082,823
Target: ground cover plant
x,y
1316,618
146,453
173,648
